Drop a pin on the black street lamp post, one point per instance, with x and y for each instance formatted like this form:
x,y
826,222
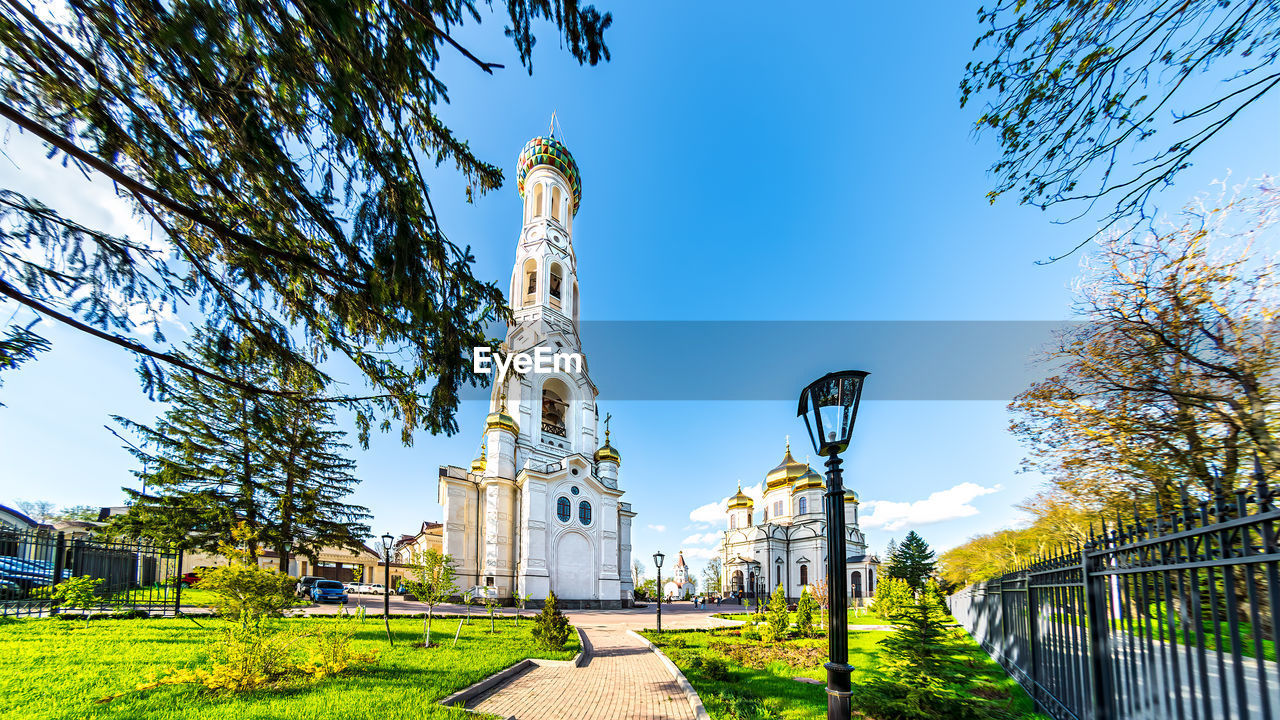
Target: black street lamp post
x,y
387,539
829,407
777,578
657,562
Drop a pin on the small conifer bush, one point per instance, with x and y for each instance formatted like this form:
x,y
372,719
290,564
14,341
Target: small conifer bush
x,y
551,628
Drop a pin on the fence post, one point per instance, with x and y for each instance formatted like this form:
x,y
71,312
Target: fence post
x,y
1033,630
59,564
1095,591
177,596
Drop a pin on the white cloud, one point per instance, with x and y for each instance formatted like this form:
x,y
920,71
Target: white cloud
x,y
659,528
700,554
714,513
709,538
946,504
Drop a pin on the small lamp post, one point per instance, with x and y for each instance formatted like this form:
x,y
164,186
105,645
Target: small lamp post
x,y
657,562
778,578
288,548
756,568
387,539
829,405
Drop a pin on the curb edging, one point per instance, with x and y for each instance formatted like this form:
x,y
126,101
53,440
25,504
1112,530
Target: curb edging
x,y
699,712
466,694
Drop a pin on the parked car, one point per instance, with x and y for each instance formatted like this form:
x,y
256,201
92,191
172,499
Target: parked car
x,y
189,579
27,575
328,591
303,588
352,587
378,588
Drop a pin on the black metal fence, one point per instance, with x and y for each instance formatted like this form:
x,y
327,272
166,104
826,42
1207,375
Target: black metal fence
x,y
1170,617
135,575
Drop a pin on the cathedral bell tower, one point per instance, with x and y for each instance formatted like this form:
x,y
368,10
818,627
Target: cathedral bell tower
x,y
541,510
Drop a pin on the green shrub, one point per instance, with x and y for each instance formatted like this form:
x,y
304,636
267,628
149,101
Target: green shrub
x,y
676,641
254,655
767,634
892,597
715,667
750,634
779,618
757,618
805,609
550,627
248,591
78,592
919,677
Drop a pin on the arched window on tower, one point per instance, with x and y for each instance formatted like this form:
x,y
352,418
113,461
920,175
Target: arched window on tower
x,y
575,307
554,285
537,200
802,508
555,204
530,282
804,575
733,522
554,408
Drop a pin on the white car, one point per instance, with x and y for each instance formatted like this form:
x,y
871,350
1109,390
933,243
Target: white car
x,y
377,588
352,587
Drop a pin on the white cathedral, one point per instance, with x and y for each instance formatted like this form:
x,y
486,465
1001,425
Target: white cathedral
x,y
540,509
786,544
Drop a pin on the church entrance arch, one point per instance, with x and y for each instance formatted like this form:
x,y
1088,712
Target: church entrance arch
x,y
575,564
855,584
736,583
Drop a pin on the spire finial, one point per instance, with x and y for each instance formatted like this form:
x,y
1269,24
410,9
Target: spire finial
x,y
788,443
607,418
552,130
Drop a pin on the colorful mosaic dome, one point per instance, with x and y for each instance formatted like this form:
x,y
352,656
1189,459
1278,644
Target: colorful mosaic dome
x,y
549,151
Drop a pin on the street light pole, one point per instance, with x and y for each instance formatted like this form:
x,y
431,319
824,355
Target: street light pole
x,y
657,562
829,407
386,584
838,667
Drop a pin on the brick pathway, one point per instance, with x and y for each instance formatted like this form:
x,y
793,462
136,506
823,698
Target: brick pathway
x,y
620,678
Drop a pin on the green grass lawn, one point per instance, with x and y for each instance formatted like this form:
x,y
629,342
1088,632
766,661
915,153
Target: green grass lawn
x,y
56,669
775,693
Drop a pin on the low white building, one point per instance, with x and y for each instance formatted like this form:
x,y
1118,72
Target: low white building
x,y
679,587
785,543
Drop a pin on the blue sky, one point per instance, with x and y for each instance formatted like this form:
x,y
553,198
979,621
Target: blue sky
x,y
737,164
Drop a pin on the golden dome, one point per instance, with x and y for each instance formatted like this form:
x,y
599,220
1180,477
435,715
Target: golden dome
x,y
809,481
608,453
787,472
501,420
740,500
478,465
850,496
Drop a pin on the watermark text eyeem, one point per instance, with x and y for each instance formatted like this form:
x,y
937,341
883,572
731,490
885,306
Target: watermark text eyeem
x,y
542,360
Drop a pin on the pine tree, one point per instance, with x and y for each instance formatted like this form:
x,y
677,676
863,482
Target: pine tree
x,y
912,561
778,617
222,456
278,152
204,465
917,676
551,628
805,609
312,475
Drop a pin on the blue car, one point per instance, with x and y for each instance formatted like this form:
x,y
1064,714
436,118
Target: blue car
x,y
329,591
19,577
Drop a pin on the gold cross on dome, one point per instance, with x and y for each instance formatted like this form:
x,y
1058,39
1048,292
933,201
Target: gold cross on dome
x,y
607,418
